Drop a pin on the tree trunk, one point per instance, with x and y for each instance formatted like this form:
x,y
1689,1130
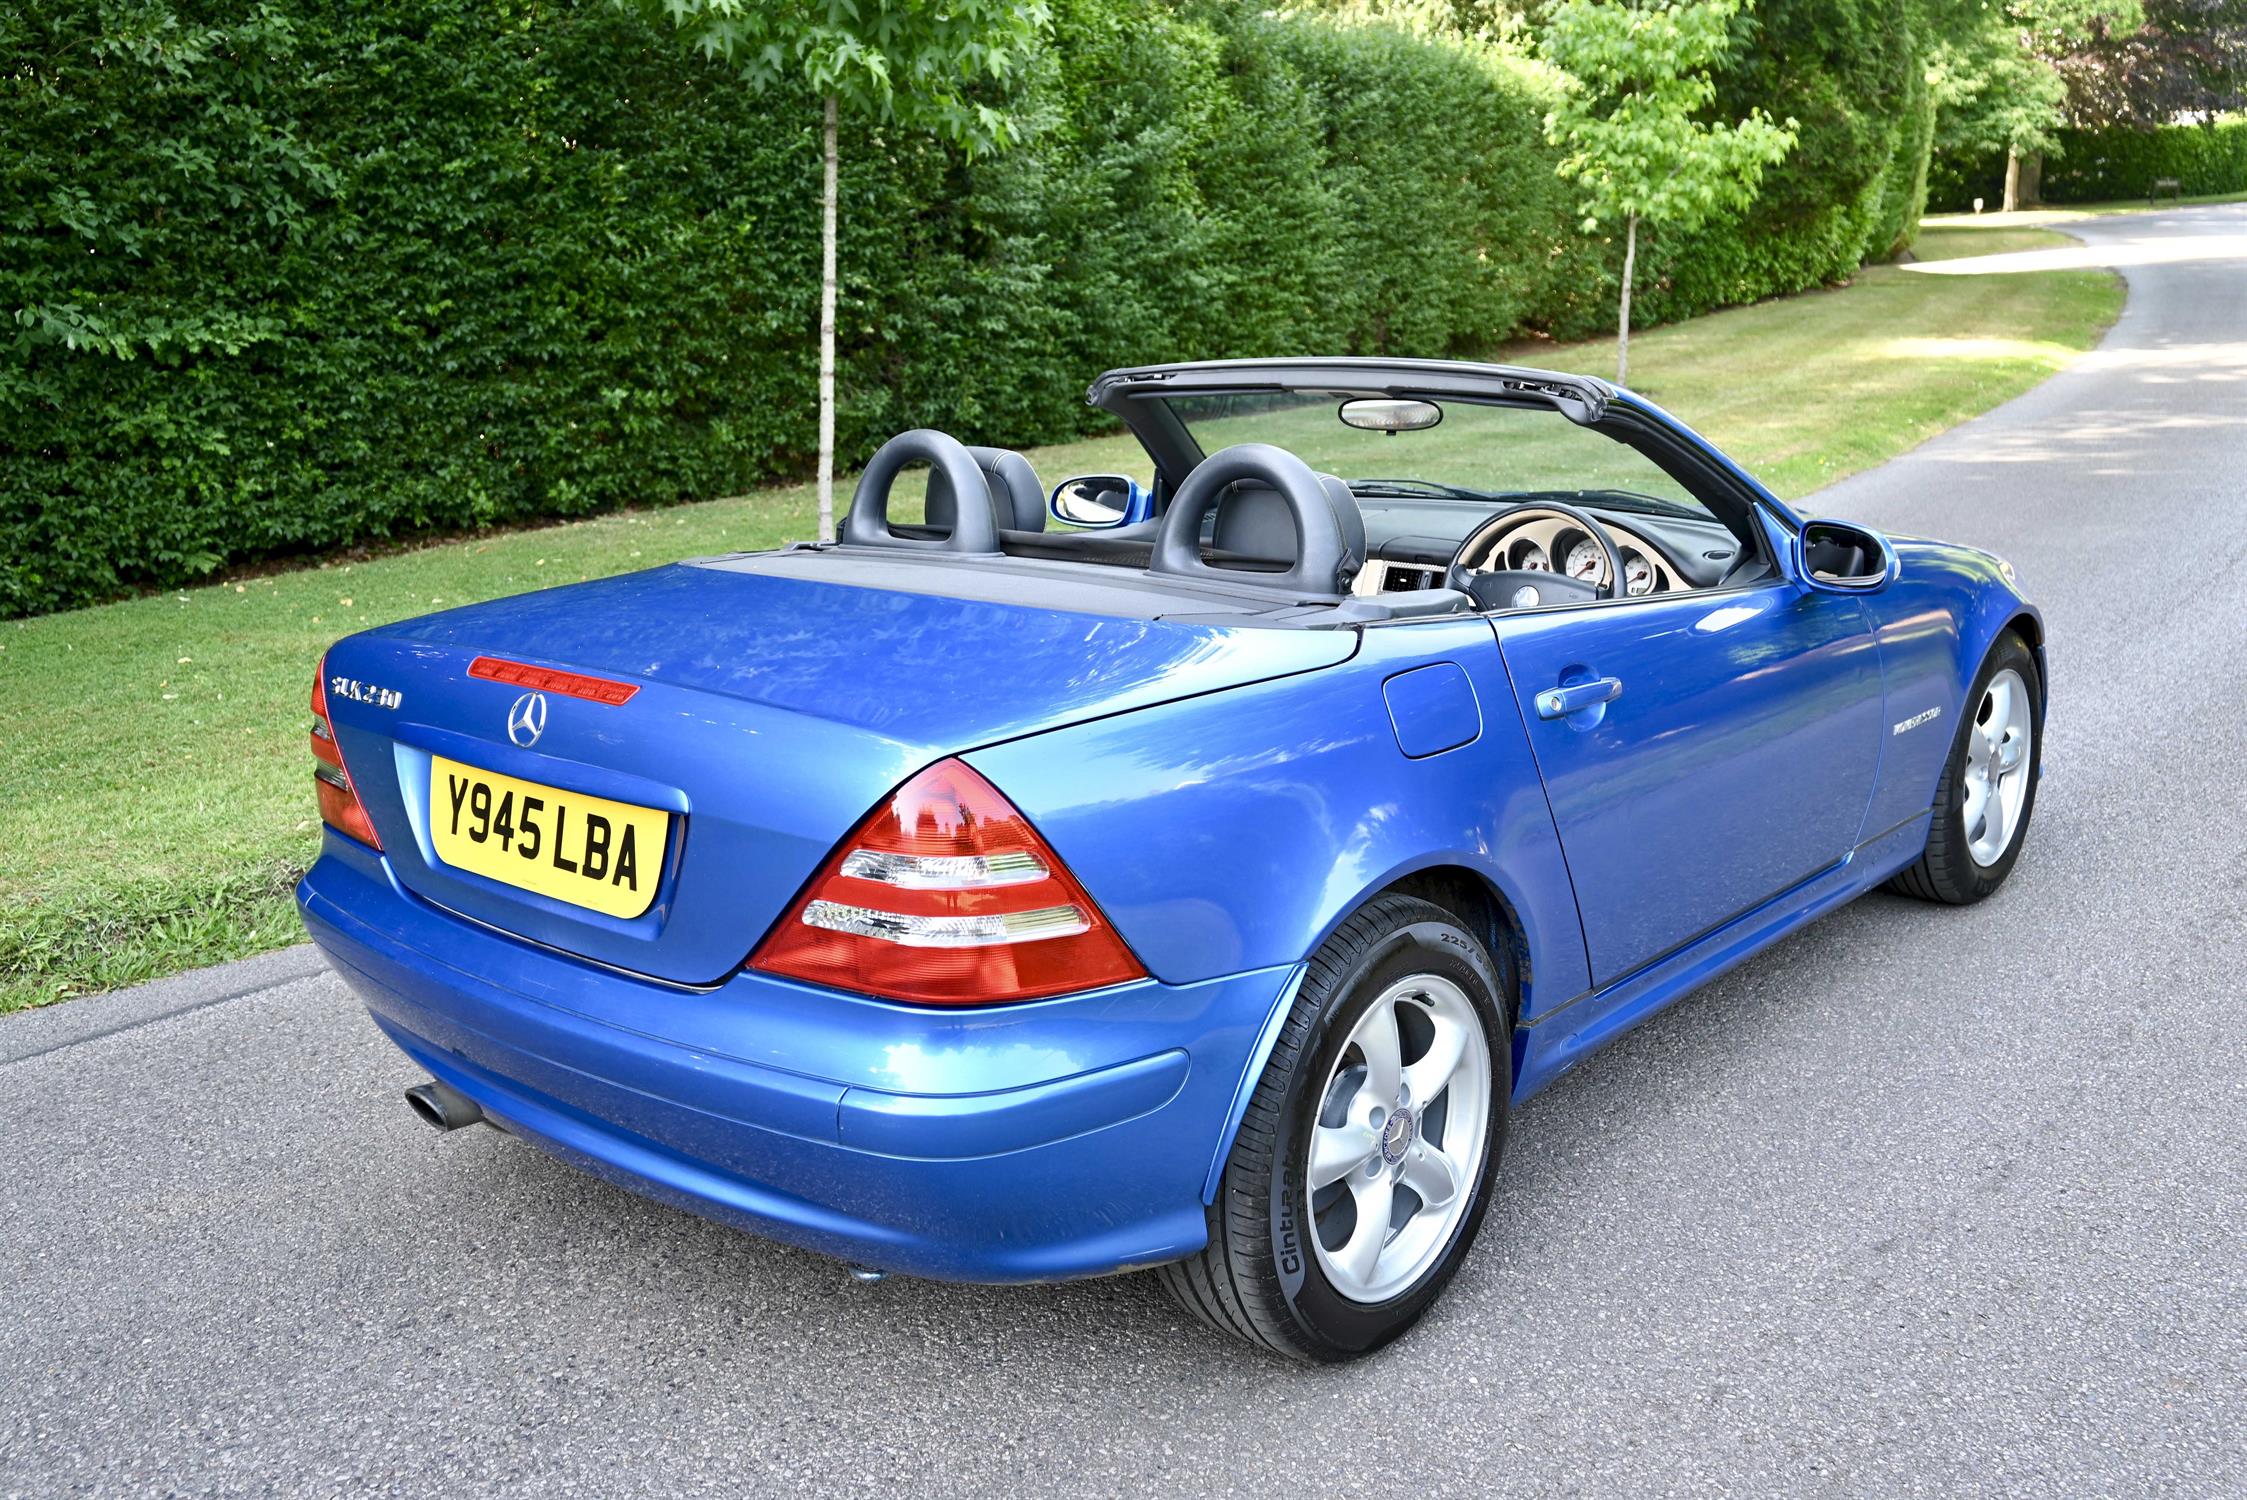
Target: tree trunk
x,y
827,335
2012,181
1623,322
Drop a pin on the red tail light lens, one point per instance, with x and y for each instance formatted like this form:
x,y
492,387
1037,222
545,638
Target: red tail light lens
x,y
340,807
946,895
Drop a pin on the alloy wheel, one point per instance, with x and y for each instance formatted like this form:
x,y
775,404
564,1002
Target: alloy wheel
x,y
1997,766
1398,1145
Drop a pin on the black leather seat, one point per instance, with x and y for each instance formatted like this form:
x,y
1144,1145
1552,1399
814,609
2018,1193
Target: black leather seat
x,y
1017,500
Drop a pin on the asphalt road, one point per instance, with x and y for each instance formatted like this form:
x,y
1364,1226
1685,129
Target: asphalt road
x,y
1921,1201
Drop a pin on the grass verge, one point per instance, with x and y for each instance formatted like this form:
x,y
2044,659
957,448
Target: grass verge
x,y
155,789
2038,218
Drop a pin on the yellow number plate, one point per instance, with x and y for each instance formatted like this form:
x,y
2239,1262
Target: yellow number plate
x,y
587,851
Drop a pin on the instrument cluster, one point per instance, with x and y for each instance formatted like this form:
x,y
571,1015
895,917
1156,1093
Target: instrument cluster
x,y
1532,543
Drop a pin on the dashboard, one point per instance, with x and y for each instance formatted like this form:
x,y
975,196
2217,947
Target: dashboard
x,y
1410,543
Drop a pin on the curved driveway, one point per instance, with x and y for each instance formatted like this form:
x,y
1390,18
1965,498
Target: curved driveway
x,y
1923,1200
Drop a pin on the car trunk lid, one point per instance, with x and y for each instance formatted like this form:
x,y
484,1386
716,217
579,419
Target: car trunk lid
x,y
764,716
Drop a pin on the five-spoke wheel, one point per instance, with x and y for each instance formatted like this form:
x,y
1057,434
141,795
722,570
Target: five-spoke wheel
x,y
1997,752
1400,1134
1988,787
1365,1160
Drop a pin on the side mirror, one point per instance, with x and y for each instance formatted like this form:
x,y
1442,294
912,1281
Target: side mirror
x,y
1842,558
1096,501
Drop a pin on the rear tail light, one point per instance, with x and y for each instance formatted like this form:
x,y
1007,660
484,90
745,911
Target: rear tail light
x,y
946,895
340,807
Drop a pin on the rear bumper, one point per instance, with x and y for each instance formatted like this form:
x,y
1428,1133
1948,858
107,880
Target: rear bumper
x,y
1059,1138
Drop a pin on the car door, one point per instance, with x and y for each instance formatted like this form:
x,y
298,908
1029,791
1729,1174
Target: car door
x,y
1734,759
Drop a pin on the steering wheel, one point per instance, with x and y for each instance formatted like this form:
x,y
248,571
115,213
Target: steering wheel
x,y
974,528
1322,548
1499,588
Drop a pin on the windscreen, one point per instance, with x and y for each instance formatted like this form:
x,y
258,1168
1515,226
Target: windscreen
x,y
1477,451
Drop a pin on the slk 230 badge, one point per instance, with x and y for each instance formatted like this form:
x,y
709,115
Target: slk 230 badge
x,y
360,692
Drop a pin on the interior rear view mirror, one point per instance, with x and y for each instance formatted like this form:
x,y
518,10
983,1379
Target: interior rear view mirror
x,y
1385,414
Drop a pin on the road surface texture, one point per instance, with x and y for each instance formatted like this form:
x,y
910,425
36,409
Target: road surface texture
x,y
1922,1201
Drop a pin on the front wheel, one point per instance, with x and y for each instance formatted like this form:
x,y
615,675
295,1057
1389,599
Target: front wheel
x,y
1988,790
1367,1155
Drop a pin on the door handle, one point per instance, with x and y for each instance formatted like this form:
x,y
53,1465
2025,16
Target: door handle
x,y
1560,702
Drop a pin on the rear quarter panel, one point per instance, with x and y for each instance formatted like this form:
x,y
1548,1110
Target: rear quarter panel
x,y
1235,830
1934,626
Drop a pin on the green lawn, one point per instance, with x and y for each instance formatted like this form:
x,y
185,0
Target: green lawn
x,y
155,789
2036,218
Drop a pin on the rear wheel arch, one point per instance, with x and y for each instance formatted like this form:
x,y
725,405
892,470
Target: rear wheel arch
x,y
1482,909
1262,1272
1468,895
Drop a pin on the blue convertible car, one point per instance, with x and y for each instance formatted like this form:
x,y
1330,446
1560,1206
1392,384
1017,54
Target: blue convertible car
x,y
1193,885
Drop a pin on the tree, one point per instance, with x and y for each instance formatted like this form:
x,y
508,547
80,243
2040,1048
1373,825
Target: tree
x,y
922,64
1500,21
1995,81
2188,58
1635,81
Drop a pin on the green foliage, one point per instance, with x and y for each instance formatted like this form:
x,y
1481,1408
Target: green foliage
x,y
2120,162
1635,86
909,62
314,278
2106,164
1435,158
2114,162
1902,196
1956,178
1850,73
1993,95
290,277
1997,88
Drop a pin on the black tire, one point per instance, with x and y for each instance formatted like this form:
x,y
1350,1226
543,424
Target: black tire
x,y
1947,871
1258,1279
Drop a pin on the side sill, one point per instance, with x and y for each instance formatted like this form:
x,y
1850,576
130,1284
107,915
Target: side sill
x,y
1604,1014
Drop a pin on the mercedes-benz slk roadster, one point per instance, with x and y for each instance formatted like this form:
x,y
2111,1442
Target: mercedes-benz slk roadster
x,y
1186,869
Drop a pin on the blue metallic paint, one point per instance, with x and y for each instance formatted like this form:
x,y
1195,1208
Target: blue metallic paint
x,y
1564,1038
1432,709
763,684
1934,627
1236,830
1229,796
948,1143
1735,763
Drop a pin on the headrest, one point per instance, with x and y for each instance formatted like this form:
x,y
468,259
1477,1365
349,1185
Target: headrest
x,y
1253,521
1017,500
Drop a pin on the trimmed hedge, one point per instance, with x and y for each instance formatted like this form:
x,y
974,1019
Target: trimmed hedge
x,y
2095,165
2116,162
308,278
294,276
